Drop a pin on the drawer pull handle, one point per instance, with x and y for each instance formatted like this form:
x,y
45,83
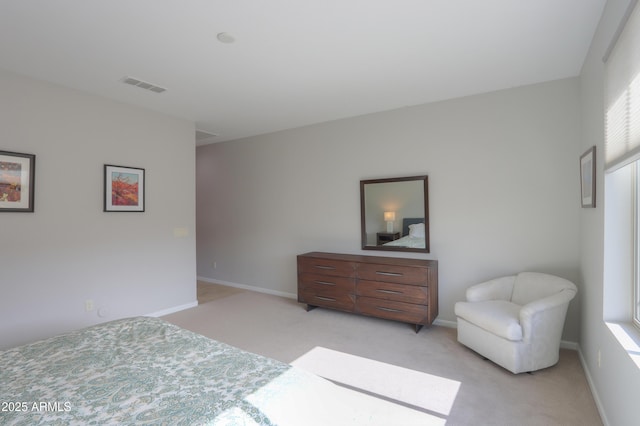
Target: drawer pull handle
x,y
382,308
324,283
388,291
389,274
324,267
328,299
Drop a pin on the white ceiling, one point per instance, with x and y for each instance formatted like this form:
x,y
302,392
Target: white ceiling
x,y
294,62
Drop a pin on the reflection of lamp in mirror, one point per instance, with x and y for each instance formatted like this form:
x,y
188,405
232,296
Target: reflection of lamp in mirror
x,y
389,217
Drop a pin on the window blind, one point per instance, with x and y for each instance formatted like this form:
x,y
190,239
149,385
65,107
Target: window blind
x,y
622,80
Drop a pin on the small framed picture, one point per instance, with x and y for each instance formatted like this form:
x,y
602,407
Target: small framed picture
x,y
588,177
123,189
17,179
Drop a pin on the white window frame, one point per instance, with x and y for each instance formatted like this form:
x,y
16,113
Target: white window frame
x,y
636,246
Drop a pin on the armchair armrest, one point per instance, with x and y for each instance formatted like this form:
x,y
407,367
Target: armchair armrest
x,y
546,303
546,315
496,289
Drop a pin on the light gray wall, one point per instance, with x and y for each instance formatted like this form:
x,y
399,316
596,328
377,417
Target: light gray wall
x,y
69,250
617,379
504,190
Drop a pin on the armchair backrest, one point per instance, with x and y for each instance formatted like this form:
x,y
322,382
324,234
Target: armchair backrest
x,y
530,286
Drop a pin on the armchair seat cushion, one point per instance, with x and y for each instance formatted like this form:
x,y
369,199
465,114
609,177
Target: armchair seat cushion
x,y
499,317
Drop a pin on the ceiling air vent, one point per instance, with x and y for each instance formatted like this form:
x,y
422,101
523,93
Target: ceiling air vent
x,y
201,135
143,84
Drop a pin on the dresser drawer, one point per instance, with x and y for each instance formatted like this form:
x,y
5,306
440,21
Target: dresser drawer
x,y
393,291
328,299
393,274
326,283
390,309
330,267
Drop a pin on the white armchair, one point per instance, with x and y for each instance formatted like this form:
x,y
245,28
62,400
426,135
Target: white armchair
x,y
516,321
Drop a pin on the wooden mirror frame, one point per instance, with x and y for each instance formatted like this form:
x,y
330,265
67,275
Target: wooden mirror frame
x,y
363,219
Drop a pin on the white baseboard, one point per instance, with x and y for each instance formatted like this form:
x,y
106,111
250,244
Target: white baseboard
x,y
565,344
250,287
445,323
594,390
173,309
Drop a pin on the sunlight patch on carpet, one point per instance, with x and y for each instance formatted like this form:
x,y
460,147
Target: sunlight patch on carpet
x,y
432,393
299,398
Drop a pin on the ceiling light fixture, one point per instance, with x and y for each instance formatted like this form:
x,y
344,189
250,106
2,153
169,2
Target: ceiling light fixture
x,y
225,38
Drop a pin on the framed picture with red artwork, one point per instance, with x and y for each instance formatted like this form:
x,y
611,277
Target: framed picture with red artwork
x,y
123,189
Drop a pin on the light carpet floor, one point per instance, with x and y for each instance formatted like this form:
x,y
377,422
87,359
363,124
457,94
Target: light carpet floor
x,y
465,388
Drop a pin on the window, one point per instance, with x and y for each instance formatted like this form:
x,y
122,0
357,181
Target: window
x,y
622,167
636,233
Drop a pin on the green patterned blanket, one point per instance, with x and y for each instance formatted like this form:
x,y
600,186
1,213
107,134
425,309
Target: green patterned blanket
x,y
134,371
145,371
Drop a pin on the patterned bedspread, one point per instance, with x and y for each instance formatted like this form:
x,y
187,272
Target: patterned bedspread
x,y
135,371
144,370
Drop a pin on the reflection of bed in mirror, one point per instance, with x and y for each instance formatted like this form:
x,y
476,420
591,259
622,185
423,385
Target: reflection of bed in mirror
x,y
403,197
413,234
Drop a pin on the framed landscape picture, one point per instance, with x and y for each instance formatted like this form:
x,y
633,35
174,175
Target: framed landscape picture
x,y
123,189
17,179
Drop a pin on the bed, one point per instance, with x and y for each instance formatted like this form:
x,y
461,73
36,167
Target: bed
x,y
147,371
413,234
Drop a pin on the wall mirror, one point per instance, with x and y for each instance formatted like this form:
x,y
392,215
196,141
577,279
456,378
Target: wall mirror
x,y
395,214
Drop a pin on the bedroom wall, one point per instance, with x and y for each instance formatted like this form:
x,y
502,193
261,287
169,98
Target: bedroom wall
x,y
503,191
69,250
614,376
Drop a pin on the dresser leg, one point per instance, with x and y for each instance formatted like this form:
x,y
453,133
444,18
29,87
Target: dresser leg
x,y
417,327
310,308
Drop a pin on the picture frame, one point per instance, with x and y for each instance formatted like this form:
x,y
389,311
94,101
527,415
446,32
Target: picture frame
x,y
17,182
124,189
588,178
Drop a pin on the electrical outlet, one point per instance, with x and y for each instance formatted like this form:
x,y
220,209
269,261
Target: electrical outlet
x,y
88,305
214,264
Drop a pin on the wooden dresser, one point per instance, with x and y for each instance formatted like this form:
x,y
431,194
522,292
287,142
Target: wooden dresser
x,y
386,287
